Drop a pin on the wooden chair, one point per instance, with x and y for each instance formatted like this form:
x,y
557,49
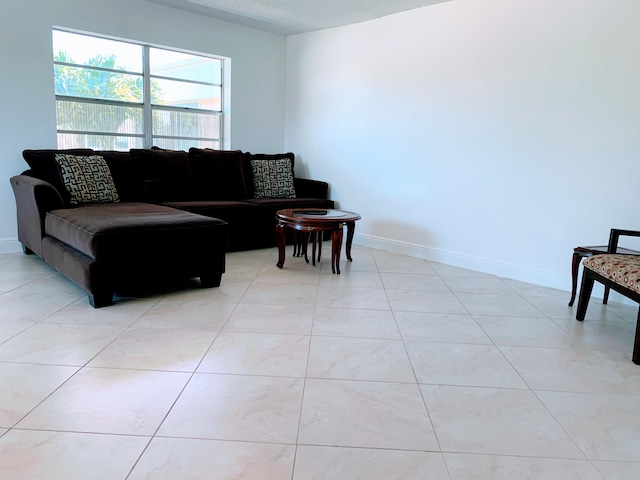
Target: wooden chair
x,y
615,271
582,252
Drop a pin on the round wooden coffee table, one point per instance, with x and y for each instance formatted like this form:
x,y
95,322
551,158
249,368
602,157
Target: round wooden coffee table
x,y
313,220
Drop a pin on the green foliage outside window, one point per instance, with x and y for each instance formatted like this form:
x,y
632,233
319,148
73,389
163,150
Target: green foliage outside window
x,y
94,83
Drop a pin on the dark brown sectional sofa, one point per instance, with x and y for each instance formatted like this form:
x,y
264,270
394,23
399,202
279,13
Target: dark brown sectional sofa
x,y
175,214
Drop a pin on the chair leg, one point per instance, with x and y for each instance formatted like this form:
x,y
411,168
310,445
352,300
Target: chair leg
x,y
585,294
635,357
605,299
575,265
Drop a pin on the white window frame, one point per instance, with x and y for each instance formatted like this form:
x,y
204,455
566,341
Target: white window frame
x,y
223,135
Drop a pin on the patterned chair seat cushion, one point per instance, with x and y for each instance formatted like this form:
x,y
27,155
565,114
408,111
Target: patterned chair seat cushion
x,y
621,269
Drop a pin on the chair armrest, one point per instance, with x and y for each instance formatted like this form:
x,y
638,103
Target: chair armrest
x,y
615,234
306,188
34,198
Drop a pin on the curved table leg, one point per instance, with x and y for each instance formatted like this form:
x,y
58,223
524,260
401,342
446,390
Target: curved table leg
x,y
280,239
305,245
351,227
336,246
297,245
314,239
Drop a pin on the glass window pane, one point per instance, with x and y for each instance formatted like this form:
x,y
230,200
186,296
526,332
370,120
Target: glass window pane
x,y
89,83
166,63
100,97
98,142
86,50
93,117
173,123
187,95
184,144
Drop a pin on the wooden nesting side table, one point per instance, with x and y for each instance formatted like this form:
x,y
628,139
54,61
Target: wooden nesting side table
x,y
313,220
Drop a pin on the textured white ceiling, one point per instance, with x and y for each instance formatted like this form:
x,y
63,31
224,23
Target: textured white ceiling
x,y
288,17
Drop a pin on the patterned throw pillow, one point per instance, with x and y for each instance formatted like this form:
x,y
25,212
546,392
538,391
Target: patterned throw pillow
x,y
272,178
87,179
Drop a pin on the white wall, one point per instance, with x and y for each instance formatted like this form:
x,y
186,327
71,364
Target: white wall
x,y
489,134
27,106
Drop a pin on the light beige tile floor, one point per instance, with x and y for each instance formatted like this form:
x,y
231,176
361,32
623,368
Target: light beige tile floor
x,y
398,368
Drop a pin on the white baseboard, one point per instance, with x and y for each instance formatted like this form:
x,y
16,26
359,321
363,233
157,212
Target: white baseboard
x,y
10,245
471,262
479,264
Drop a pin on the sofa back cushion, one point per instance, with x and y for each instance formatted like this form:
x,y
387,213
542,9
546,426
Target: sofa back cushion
x,y
125,173
219,174
43,166
165,175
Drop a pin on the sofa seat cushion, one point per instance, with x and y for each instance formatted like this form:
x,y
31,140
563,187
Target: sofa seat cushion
x,y
206,207
281,203
621,269
127,230
242,217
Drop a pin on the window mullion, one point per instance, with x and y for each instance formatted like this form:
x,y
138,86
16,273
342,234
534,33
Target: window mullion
x,y
147,114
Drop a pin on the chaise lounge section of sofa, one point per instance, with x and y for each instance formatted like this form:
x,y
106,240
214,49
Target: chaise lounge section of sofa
x,y
171,214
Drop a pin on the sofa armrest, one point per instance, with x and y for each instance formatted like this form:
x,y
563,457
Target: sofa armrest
x,y
306,188
34,198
